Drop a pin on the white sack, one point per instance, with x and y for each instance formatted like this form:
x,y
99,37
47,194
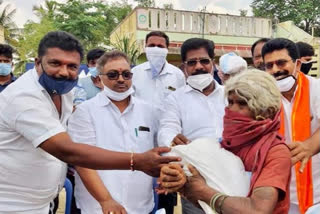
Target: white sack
x,y
222,170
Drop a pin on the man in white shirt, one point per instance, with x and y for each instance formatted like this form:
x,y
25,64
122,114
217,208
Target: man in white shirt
x,y
114,120
33,141
197,109
153,81
300,120
90,85
156,78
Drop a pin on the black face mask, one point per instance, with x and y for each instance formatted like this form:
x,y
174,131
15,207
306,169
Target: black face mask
x,y
306,66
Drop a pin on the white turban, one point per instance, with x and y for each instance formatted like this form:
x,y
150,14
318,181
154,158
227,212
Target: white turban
x,y
230,63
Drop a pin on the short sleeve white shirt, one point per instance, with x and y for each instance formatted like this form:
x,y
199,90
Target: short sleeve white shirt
x,y
99,122
156,90
29,177
315,124
191,113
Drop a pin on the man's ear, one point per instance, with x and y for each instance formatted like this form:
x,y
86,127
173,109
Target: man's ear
x,y
97,82
37,61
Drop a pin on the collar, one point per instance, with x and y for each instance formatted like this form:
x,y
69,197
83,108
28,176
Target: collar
x,y
164,71
103,100
217,88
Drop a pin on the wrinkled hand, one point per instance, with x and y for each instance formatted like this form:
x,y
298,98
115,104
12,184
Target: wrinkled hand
x,y
179,140
172,178
111,206
195,186
150,162
300,151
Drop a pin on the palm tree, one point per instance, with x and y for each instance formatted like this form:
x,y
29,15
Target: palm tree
x,y
129,47
6,21
48,10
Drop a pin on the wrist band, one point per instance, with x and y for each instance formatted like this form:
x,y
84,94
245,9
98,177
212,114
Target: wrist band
x,y
214,199
131,162
224,197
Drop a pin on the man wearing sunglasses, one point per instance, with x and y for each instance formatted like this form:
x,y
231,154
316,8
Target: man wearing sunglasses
x,y
34,144
156,78
300,120
115,120
197,109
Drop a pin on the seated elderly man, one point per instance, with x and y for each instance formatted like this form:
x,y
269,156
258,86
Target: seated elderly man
x,y
115,120
231,64
251,127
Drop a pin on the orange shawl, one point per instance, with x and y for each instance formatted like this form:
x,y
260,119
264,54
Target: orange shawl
x,y
301,130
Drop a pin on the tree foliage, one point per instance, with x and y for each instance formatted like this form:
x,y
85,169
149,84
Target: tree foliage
x,y
146,3
168,6
90,21
304,13
6,21
129,47
243,12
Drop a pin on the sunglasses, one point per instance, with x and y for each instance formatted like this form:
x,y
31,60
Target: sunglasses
x,y
193,62
280,63
114,75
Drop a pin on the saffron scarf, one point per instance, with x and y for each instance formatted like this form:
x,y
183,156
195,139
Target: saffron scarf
x,y
250,140
301,130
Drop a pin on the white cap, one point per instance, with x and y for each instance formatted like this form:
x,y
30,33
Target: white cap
x,y
231,63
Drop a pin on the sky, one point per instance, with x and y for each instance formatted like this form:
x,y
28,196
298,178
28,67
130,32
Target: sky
x,y
232,7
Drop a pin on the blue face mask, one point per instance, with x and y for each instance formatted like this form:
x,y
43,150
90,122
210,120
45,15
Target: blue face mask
x,y
93,71
5,69
54,85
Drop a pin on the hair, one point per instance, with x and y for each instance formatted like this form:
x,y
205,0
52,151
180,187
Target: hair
x,y
62,40
160,34
258,89
94,54
305,49
6,50
280,44
262,40
108,56
195,44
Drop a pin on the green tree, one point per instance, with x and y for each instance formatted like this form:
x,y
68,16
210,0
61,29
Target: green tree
x,y
304,13
129,47
146,3
168,6
6,21
91,21
29,41
48,10
243,12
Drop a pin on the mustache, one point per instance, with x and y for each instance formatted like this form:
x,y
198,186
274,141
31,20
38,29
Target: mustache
x,y
281,73
199,72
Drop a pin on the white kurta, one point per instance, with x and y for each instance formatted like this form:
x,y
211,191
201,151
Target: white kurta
x,y
99,122
315,124
191,113
156,90
29,177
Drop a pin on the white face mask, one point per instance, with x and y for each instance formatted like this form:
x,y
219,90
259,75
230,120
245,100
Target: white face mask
x,y
288,82
200,81
117,96
157,58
